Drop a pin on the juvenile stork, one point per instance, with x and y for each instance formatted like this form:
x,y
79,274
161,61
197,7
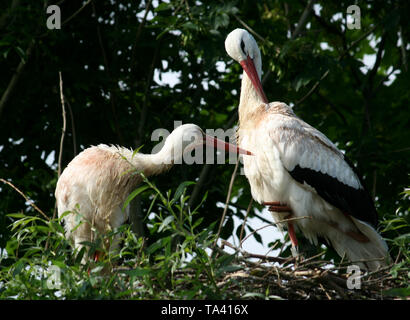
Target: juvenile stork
x,y
298,172
95,184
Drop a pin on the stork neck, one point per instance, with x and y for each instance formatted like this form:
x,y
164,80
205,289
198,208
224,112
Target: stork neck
x,y
149,164
249,101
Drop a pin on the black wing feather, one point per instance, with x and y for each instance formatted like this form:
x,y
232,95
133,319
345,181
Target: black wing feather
x,y
355,202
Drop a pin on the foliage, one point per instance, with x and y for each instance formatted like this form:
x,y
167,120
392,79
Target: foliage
x,y
183,263
115,57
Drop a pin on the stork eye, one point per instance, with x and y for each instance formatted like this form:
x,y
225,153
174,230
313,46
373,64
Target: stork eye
x,y
243,47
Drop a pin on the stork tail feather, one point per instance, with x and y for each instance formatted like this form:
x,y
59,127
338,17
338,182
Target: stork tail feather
x,y
371,254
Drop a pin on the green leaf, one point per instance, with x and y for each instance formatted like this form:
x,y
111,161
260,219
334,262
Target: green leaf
x,y
165,223
230,268
398,292
254,295
137,272
181,188
16,215
163,6
158,244
19,267
133,195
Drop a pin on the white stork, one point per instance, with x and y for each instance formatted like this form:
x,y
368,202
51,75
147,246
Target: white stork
x,y
95,184
297,171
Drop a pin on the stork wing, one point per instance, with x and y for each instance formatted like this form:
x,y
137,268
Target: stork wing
x,y
312,159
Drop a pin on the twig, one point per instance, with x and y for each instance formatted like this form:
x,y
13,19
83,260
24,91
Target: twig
x,y
138,34
228,198
244,220
267,258
30,202
346,51
303,18
334,108
75,13
246,254
307,95
73,128
302,21
60,154
275,222
324,290
304,262
247,27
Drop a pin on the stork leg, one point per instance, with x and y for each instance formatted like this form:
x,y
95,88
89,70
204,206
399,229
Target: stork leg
x,y
276,206
293,239
96,257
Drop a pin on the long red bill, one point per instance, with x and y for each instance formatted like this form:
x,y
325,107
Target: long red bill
x,y
250,70
222,145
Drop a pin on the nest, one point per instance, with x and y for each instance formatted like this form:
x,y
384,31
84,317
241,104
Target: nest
x,y
266,277
262,276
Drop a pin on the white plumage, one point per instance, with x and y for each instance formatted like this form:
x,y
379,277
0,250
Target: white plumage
x,y
95,184
298,171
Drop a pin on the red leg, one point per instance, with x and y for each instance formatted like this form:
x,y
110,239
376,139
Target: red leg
x,y
276,206
292,234
96,258
97,255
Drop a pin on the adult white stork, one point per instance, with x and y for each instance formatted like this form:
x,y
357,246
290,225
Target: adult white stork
x,y
95,184
297,171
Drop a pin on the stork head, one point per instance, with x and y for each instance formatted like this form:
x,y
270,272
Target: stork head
x,y
189,136
242,47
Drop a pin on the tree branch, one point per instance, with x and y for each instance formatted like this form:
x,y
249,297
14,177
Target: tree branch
x,y
247,27
377,63
15,78
303,19
76,13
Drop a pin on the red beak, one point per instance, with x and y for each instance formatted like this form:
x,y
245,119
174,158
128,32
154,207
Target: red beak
x,y
222,145
250,70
